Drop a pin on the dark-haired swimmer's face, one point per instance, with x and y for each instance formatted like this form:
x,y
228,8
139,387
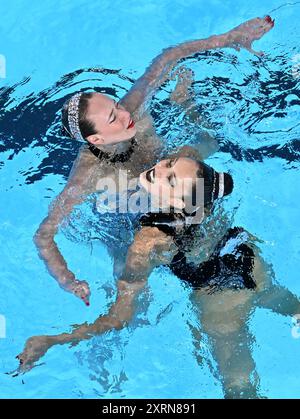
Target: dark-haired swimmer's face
x,y
112,122
171,181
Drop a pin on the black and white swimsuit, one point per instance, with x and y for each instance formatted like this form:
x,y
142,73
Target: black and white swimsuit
x,y
229,267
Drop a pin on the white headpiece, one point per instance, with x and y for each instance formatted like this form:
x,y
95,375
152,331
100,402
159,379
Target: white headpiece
x,y
73,117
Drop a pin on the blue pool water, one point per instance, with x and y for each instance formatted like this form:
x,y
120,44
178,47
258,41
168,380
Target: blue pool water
x,y
51,49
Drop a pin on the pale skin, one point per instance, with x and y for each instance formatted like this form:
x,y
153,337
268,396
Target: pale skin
x,y
224,315
114,128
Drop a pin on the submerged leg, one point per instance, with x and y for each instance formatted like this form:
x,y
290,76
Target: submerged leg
x,y
233,353
224,319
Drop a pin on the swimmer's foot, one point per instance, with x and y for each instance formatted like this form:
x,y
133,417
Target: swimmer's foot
x,y
245,34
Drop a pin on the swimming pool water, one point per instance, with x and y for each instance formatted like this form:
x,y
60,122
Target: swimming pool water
x,y
58,47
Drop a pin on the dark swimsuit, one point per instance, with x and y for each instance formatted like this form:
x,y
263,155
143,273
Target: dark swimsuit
x,y
229,267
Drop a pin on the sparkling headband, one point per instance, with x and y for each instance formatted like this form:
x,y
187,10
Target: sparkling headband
x,y
221,185
73,114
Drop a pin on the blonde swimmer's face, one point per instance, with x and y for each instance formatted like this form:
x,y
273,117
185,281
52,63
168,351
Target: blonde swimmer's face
x,y
171,180
112,122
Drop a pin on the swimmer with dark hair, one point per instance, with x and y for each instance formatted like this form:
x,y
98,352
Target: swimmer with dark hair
x,y
121,135
229,281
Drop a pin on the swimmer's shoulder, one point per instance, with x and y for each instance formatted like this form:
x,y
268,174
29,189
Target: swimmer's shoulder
x,y
146,136
190,152
143,121
83,168
84,159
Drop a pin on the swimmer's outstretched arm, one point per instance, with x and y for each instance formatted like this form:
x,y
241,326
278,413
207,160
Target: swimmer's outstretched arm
x,y
74,193
143,255
118,316
240,37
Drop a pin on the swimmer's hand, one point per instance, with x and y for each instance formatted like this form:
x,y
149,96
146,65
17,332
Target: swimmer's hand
x,y
185,80
35,348
80,289
245,34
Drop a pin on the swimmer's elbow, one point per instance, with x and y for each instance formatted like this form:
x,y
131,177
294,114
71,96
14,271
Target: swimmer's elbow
x,y
42,237
119,324
107,323
46,231
123,318
37,238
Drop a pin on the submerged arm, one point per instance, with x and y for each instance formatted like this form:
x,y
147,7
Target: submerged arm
x,y
280,300
157,72
183,95
119,314
72,195
143,255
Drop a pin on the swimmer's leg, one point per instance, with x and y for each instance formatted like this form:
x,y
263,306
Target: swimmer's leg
x,y
224,319
232,351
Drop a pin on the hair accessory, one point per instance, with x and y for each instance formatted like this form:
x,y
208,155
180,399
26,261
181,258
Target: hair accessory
x,y
221,185
214,187
73,117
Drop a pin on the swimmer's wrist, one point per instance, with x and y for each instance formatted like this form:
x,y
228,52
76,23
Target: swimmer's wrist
x,y
68,281
235,37
231,37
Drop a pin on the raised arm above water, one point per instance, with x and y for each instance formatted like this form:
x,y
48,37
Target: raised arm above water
x,y
240,37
